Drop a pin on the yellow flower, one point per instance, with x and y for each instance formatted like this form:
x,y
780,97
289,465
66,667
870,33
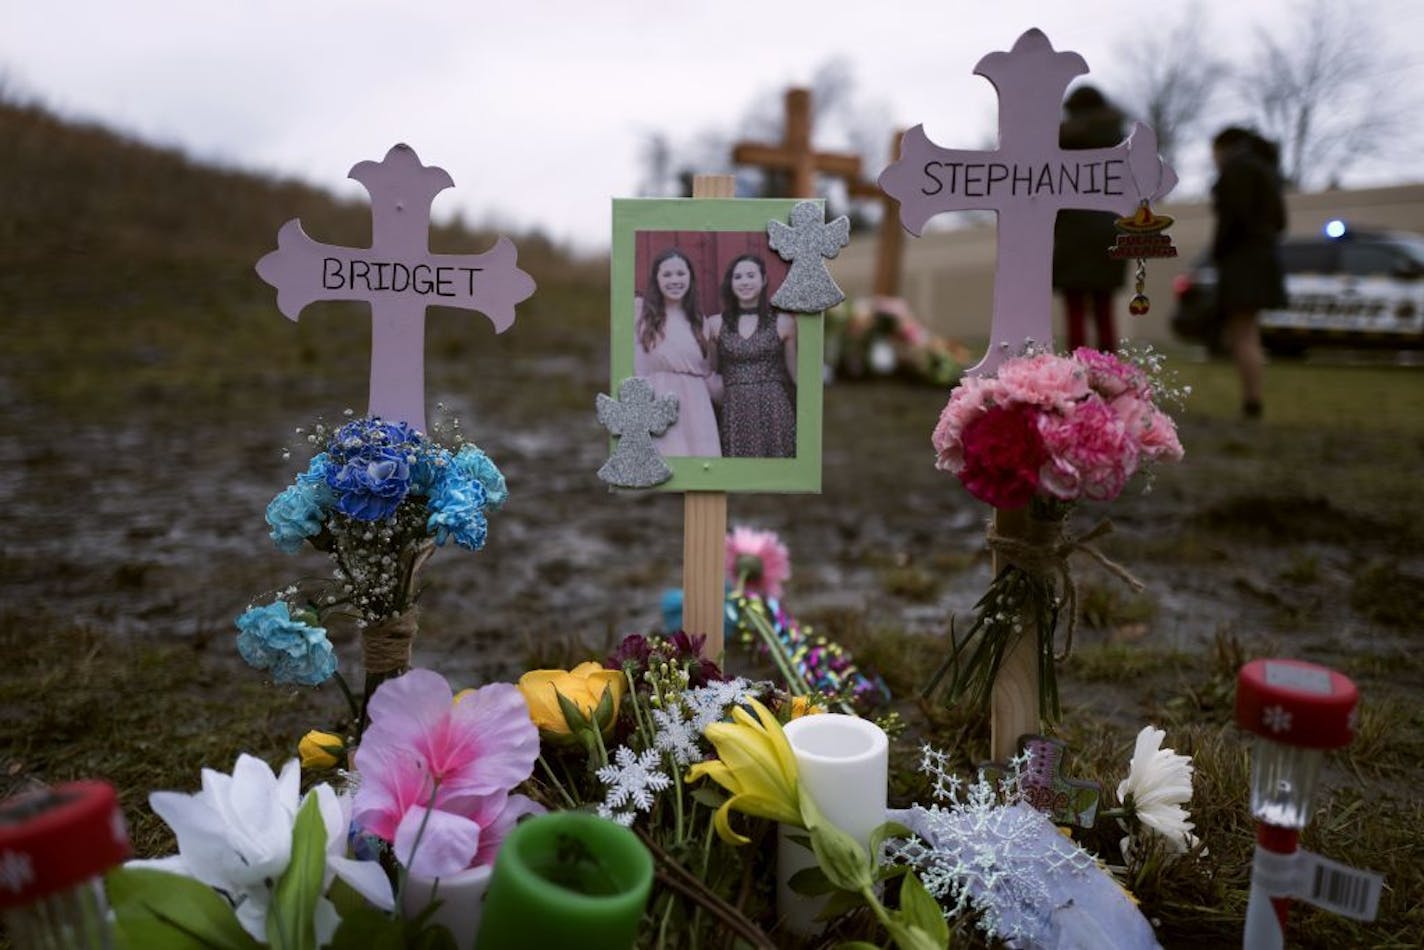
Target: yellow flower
x,y
594,692
802,706
321,750
755,763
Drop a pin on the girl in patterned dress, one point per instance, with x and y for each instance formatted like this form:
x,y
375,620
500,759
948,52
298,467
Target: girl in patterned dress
x,y
754,349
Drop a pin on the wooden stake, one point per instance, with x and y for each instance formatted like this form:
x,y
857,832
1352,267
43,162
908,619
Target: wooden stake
x,y
1014,703
704,524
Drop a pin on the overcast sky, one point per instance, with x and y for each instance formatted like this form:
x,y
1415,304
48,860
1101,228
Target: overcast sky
x,y
539,109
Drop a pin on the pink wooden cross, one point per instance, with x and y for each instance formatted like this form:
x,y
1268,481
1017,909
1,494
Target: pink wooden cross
x,y
398,276
1027,180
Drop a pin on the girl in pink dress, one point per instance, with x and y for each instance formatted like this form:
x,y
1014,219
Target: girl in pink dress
x,y
670,352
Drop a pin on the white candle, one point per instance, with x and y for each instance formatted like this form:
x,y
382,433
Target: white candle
x,y
843,763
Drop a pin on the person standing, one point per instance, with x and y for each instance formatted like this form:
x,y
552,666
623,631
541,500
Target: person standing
x,y
755,351
1250,216
1082,270
670,351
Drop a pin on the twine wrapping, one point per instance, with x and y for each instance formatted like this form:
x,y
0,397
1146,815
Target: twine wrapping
x,y
385,646
1043,551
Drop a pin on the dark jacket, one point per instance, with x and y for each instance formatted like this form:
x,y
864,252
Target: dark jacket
x,y
1081,238
1250,216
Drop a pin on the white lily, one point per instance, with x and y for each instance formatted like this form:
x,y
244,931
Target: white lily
x,y
235,835
1158,784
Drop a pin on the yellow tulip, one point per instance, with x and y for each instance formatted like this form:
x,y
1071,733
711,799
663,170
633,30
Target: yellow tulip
x,y
595,691
321,750
755,763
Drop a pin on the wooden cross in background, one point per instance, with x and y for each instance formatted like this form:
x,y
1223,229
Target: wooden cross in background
x,y
890,241
795,154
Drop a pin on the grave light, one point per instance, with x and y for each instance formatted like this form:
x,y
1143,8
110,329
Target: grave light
x,y
55,845
1296,710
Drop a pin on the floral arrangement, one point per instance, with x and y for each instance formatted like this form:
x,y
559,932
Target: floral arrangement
x,y
1043,433
697,764
432,794
377,498
1052,429
880,336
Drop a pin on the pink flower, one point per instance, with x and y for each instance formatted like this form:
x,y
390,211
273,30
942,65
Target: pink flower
x,y
1045,380
759,555
436,773
1153,430
1109,375
1003,454
1090,453
970,399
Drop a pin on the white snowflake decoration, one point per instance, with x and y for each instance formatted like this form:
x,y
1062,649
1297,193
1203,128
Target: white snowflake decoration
x,y
1276,718
674,734
16,871
708,704
633,780
985,850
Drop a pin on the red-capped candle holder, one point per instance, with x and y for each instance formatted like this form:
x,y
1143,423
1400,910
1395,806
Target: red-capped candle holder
x,y
55,844
1296,710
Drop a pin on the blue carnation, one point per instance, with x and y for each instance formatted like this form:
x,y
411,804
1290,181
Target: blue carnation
x,y
372,483
369,466
457,510
294,516
477,466
295,652
314,480
428,465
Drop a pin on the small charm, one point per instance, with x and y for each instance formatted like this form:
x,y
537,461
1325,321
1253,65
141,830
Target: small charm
x,y
807,243
1142,236
635,417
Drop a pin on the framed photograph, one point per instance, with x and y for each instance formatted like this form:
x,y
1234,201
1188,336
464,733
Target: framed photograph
x,y
691,314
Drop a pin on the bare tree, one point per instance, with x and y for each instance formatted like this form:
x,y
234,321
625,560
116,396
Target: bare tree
x,y
1173,78
1322,90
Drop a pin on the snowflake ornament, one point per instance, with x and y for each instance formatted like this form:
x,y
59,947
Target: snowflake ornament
x,y
633,779
16,871
1276,718
982,849
675,735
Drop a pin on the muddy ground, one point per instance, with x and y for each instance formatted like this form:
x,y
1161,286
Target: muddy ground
x,y
133,502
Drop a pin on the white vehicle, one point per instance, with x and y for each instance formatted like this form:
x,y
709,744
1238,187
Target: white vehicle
x,y
1345,288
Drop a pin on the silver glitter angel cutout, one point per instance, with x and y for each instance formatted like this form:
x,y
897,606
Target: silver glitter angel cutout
x,y
635,417
808,243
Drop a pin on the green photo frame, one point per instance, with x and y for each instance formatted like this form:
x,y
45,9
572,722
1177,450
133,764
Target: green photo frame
x,y
712,231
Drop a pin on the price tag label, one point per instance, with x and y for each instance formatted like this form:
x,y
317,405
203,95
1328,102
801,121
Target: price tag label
x,y
1312,879
1339,888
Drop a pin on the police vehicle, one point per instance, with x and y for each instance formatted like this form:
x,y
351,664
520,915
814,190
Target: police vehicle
x,y
1345,287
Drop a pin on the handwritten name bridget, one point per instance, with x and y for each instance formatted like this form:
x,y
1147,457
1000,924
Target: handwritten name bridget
x,y
441,280
996,179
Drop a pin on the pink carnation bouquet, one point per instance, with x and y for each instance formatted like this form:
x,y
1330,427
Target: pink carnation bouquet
x,y
1045,432
1056,428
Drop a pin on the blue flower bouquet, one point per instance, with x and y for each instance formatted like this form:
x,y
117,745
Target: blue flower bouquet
x,y
378,498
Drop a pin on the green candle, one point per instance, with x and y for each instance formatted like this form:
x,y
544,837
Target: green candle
x,y
567,879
